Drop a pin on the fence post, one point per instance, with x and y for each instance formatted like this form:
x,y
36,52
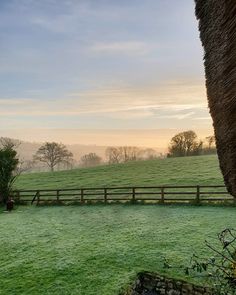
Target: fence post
x,y
162,195
133,194
38,197
18,196
198,195
58,195
82,196
105,195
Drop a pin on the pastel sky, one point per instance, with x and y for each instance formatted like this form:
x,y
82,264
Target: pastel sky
x,y
100,65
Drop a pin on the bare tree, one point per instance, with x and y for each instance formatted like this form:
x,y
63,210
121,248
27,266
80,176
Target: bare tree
x,y
90,160
52,154
7,142
122,154
129,153
113,155
211,141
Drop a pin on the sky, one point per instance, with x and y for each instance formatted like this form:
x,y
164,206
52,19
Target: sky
x,y
103,69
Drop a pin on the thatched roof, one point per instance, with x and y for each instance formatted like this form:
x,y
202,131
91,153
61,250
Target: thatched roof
x,y
217,25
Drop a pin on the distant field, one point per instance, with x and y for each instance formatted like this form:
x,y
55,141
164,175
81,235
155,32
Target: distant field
x,y
176,171
88,250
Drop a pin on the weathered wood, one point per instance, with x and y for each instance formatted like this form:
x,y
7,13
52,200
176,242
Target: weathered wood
x,y
163,195
116,194
58,195
105,195
198,195
133,194
38,197
82,196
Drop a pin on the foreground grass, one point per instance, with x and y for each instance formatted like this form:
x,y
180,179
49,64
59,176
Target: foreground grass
x,y
201,170
99,249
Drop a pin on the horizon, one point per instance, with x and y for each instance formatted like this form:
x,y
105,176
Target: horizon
x,y
153,138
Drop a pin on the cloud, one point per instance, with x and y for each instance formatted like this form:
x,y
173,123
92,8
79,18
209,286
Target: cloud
x,y
203,118
125,47
173,101
60,107
130,114
14,102
178,116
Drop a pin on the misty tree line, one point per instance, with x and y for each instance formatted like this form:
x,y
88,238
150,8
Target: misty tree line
x,y
57,156
125,154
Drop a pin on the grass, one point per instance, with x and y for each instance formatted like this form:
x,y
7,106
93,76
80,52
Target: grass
x,y
99,249
201,170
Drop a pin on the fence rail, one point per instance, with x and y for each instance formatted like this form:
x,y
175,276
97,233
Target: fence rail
x,y
161,194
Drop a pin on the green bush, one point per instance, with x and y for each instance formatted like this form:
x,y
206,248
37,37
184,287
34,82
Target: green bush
x,y
8,171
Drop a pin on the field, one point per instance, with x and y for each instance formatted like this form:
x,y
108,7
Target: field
x,y
202,170
99,249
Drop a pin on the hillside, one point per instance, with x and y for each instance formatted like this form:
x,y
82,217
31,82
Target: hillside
x,y
173,171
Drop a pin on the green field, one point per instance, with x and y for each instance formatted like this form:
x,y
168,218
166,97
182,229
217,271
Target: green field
x,y
99,249
202,170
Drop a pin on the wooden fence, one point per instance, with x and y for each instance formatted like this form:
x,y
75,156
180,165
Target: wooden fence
x,y
161,194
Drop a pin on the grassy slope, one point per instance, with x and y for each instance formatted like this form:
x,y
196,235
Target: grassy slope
x,y
176,171
99,249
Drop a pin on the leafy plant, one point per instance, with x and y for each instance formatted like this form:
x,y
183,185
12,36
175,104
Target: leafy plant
x,y
220,269
8,171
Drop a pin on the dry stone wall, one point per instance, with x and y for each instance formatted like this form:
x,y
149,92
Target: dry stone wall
x,y
154,284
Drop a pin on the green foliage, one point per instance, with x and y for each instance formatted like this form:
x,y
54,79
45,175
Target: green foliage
x,y
8,173
202,170
185,144
78,250
220,269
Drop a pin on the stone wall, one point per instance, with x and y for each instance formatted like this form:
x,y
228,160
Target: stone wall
x,y
155,284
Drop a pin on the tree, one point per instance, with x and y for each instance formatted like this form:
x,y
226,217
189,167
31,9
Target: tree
x,y
9,142
185,144
90,160
113,155
129,153
8,170
211,141
209,147
52,154
122,154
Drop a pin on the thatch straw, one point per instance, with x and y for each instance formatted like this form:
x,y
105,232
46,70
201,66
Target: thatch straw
x,y
217,25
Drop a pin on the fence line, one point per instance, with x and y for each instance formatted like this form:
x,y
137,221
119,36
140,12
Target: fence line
x,y
161,194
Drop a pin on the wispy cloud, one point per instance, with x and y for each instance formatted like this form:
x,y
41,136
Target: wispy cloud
x,y
139,102
208,118
178,116
15,102
125,47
